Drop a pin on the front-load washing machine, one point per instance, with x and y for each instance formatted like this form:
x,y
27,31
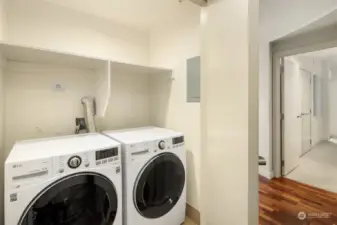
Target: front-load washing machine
x,y
72,180
154,167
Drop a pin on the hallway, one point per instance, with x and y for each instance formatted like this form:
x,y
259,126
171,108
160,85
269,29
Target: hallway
x,y
318,167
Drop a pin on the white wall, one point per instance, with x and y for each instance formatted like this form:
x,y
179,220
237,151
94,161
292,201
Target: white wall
x,y
229,113
325,101
129,105
2,66
332,100
2,155
3,19
273,25
46,25
171,45
34,109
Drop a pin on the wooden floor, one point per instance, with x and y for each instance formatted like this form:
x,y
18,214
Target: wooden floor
x,y
282,199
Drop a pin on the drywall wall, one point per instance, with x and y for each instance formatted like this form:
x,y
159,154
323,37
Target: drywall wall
x,y
273,25
332,100
129,104
171,46
46,25
325,100
3,19
34,108
2,68
318,130
229,113
2,155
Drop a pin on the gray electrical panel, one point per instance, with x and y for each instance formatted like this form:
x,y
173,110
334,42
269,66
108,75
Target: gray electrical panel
x,y
193,79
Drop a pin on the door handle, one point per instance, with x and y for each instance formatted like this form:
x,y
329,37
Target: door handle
x,y
262,161
299,116
305,114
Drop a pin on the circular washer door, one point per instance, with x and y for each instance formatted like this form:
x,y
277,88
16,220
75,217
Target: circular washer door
x,y
159,185
79,199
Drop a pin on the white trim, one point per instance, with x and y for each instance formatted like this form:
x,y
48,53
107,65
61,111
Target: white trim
x,y
308,42
265,173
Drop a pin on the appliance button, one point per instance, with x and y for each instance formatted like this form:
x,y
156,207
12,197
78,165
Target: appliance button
x,y
87,164
162,145
74,162
61,170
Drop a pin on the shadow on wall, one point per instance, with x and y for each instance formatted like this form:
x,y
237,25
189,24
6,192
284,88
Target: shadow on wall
x,y
2,160
136,100
129,102
191,182
160,93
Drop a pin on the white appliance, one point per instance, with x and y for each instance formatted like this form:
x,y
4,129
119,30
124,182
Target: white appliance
x,y
154,172
64,180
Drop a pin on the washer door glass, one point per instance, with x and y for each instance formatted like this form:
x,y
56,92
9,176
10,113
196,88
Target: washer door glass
x,y
159,185
80,199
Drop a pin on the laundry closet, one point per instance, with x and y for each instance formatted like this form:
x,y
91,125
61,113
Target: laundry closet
x,y
51,56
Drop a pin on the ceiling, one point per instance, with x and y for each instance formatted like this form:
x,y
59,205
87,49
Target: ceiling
x,y
323,54
144,14
326,20
329,55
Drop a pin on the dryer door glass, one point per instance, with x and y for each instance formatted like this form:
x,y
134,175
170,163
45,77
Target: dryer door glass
x,y
80,199
159,185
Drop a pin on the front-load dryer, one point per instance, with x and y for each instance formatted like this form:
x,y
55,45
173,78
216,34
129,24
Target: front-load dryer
x,y
72,180
154,167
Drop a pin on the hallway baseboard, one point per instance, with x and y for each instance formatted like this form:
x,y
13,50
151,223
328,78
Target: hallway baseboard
x,y
193,214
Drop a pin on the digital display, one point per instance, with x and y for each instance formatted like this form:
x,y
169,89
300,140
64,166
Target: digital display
x,y
103,154
178,140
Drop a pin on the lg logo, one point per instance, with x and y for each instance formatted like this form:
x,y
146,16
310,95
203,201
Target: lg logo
x,y
17,165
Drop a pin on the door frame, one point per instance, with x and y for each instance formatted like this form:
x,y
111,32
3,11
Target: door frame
x,y
316,40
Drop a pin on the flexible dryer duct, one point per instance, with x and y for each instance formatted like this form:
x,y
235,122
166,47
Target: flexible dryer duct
x,y
89,112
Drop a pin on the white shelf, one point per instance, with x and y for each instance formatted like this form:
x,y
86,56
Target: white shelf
x,y
104,68
138,69
42,56
38,55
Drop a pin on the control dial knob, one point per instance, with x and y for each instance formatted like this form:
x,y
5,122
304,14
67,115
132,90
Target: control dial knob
x,y
162,145
74,162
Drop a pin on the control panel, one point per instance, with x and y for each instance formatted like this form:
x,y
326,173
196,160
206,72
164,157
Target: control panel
x,y
142,149
171,143
25,173
178,140
107,156
70,163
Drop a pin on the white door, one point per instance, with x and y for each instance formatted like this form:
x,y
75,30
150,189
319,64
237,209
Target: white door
x,y
306,111
292,123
